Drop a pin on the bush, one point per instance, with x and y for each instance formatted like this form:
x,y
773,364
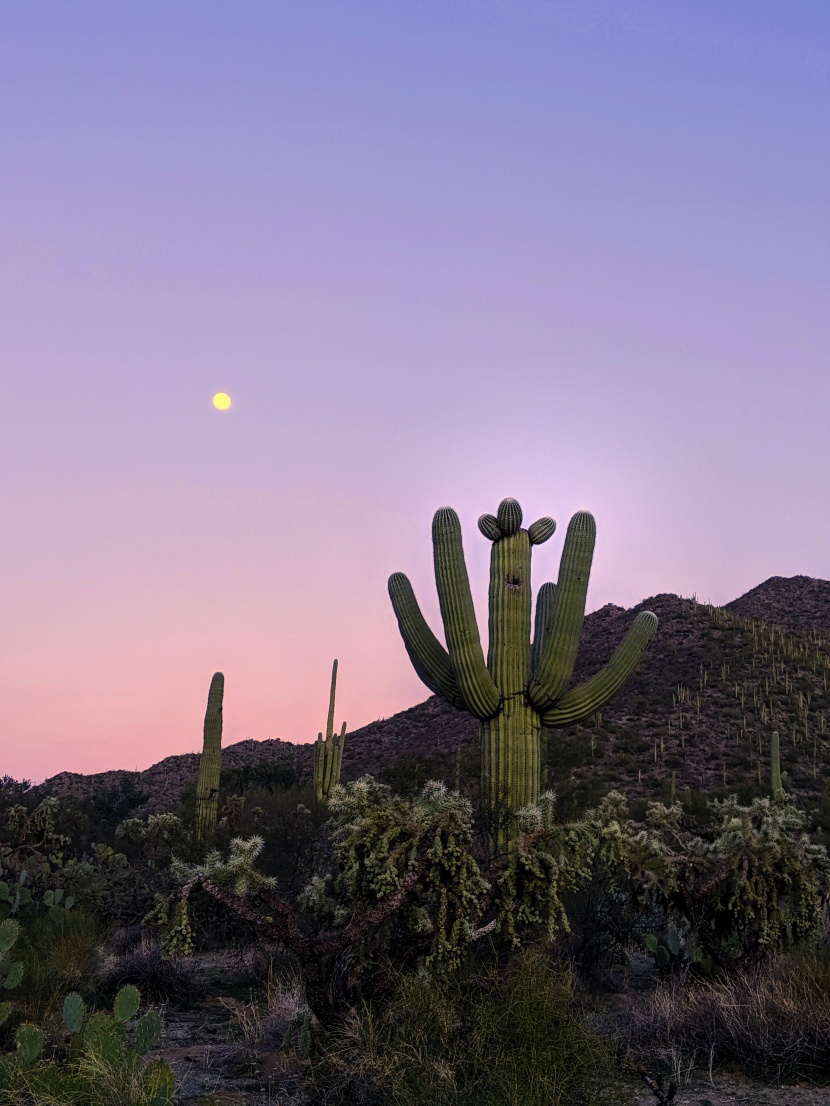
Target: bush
x,y
482,1035
169,981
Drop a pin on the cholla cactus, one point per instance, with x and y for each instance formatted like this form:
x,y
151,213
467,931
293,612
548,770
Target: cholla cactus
x,y
238,870
523,686
328,753
210,764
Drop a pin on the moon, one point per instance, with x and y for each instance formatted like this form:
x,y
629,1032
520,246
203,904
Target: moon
x,y
221,401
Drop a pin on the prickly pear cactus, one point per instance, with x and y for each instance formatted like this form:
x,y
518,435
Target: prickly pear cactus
x,y
11,971
210,764
328,753
522,686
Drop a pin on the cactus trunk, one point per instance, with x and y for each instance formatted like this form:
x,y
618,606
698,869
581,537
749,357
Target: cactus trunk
x,y
511,757
328,753
522,688
210,763
775,765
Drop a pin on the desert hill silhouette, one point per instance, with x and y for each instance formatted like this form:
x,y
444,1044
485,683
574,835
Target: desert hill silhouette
x,y
713,685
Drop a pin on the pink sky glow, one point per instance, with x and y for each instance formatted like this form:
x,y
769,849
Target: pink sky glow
x,y
436,253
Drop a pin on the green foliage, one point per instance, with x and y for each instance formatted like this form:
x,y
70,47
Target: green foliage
x,y
377,839
59,952
779,877
477,1036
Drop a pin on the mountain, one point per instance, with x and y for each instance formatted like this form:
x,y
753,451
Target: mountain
x,y
712,686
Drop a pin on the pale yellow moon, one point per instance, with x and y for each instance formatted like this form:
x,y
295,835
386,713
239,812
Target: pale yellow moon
x,y
221,401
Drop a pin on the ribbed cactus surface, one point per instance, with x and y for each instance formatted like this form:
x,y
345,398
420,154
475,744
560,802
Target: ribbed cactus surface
x,y
328,752
522,687
210,763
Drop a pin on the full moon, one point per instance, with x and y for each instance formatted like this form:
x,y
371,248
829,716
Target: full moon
x,y
221,401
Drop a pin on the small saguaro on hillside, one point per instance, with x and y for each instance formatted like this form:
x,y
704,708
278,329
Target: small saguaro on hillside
x,y
210,763
328,754
523,686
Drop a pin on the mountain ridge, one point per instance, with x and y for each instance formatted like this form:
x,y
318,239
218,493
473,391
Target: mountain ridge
x,y
684,710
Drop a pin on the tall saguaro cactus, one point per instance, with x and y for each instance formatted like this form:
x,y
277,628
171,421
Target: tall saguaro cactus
x,y
522,687
210,763
775,766
328,754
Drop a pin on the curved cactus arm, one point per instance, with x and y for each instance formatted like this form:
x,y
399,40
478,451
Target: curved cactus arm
x,y
544,606
478,690
582,701
429,657
561,635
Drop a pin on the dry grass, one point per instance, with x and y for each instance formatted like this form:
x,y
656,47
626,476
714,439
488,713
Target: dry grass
x,y
773,1021
483,1036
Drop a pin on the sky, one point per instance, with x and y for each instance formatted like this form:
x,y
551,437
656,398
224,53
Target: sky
x,y
437,252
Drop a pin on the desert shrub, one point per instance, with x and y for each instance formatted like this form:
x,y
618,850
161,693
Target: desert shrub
x,y
482,1035
59,951
36,849
773,1020
604,914
160,980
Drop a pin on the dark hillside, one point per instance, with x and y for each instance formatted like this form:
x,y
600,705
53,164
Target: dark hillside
x,y
798,604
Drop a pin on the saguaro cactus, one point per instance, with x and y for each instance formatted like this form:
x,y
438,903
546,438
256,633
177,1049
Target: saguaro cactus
x,y
328,754
210,763
523,686
775,766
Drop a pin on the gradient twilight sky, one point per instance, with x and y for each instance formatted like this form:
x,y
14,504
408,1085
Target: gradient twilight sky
x,y
437,251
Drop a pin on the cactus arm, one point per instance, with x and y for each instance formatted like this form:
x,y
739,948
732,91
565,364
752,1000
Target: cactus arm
x,y
429,657
561,637
210,762
330,719
479,692
582,701
328,753
319,762
544,606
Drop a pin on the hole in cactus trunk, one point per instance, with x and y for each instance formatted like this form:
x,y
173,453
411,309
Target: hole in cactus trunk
x,y
513,582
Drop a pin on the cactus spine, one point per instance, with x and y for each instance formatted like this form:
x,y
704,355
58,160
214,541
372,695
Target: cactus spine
x,y
521,688
328,753
210,763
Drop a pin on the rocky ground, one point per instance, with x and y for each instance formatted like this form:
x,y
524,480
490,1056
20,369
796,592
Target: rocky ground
x,y
228,1052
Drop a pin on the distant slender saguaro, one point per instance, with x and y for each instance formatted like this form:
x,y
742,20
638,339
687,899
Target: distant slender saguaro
x,y
522,688
328,754
210,763
775,766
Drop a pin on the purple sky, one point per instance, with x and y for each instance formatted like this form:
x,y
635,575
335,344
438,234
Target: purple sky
x,y
437,252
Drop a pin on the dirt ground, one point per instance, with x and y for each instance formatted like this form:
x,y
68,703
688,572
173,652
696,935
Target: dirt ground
x,y
223,1055
731,1091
